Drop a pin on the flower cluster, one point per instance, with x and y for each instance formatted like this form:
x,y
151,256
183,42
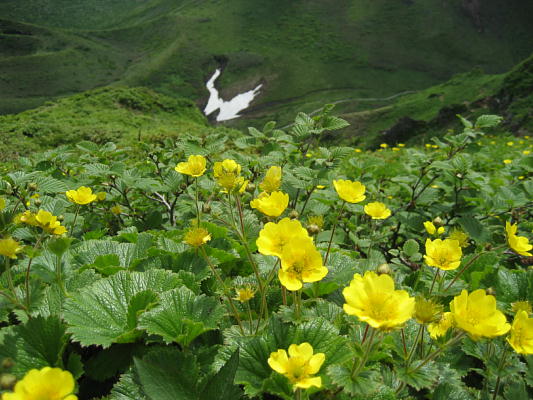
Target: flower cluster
x,y
300,260
43,219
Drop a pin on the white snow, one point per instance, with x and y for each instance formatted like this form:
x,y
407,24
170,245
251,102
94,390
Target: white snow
x,y
228,109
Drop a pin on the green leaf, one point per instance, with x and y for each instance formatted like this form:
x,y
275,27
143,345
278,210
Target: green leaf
x,y
410,247
182,316
37,344
475,229
127,388
168,374
488,121
221,386
421,378
103,313
109,362
364,383
516,391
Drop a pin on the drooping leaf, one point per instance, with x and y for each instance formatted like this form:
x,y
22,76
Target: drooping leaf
x,y
103,313
38,343
127,388
182,316
168,374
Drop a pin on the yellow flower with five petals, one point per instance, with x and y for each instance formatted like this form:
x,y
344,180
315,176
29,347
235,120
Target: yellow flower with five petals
x,y
194,166
44,384
352,192
82,195
272,204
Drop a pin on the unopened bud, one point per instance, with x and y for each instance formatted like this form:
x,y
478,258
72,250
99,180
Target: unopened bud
x,y
7,363
8,381
313,229
384,269
32,187
458,175
37,202
60,217
491,291
294,214
206,208
250,188
437,221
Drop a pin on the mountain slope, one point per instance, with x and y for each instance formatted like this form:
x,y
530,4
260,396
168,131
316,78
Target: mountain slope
x,y
304,52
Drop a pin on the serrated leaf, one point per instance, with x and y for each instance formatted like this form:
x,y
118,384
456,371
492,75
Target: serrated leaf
x,y
488,121
37,344
127,388
422,377
182,316
101,313
516,391
168,374
474,228
364,383
221,386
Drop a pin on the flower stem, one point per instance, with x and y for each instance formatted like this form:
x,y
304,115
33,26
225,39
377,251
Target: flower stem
x,y
198,214
433,355
364,359
224,288
75,218
333,232
434,280
500,367
298,394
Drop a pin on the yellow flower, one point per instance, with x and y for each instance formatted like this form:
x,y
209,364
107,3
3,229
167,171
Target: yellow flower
x,y
383,145
274,237
195,166
510,144
44,384
507,161
439,328
432,230
299,365
272,180
196,237
100,196
460,236
372,299
520,244
49,223
27,217
320,187
395,149
521,338
82,195
117,210
227,174
352,192
9,247
377,210
358,150
401,144
272,204
427,311
526,152
476,314
300,262
244,294
444,254
521,306
2,203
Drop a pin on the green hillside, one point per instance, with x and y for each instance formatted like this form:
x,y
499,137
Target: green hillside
x,y
304,52
116,114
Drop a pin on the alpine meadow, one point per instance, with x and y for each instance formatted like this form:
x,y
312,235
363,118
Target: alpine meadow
x,y
266,200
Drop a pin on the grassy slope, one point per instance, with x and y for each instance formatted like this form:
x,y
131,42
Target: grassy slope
x,y
118,114
305,52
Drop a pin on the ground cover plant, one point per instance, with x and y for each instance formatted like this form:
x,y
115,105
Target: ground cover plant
x,y
268,266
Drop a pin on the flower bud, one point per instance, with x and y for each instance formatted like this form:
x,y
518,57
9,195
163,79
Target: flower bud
x,y
384,269
437,221
60,217
7,363
250,188
313,229
294,214
490,291
37,202
32,187
206,208
7,381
